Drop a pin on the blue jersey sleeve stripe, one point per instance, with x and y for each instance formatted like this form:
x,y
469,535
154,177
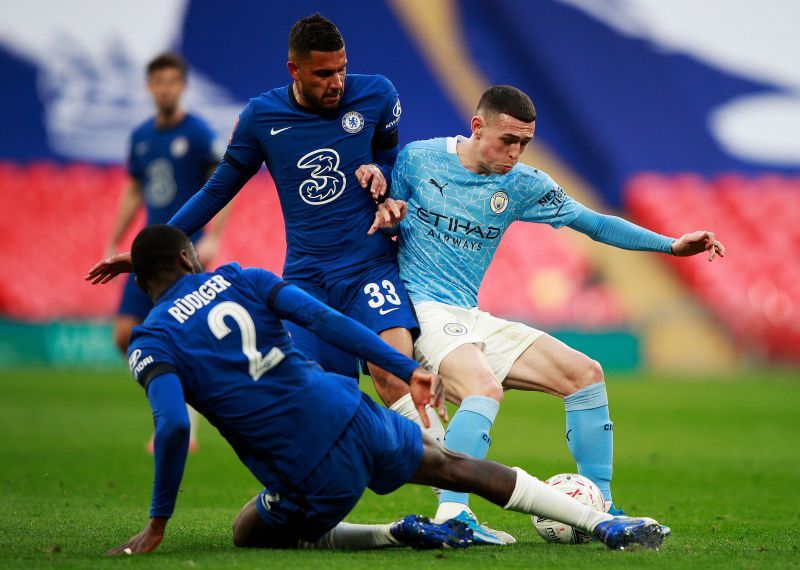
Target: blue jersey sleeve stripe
x,y
385,141
153,371
274,293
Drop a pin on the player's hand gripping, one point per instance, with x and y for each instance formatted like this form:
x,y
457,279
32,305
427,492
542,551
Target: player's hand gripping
x,y
144,542
427,388
371,178
105,270
389,214
698,242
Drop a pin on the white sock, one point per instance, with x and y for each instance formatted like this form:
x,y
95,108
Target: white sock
x,y
448,510
405,407
194,420
533,497
347,536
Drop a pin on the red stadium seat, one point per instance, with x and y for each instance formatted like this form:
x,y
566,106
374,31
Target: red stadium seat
x,y
60,217
755,290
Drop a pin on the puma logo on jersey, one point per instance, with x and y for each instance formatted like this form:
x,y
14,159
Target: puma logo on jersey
x,y
273,131
439,187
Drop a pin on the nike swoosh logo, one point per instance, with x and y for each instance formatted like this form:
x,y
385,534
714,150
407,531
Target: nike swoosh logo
x,y
274,131
387,311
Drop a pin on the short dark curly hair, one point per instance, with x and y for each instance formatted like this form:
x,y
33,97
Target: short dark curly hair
x,y
314,33
155,250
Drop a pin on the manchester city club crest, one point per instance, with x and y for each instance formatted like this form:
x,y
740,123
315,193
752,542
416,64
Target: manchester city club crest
x,y
498,202
455,329
353,122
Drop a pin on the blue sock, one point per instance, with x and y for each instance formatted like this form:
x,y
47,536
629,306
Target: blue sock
x,y
590,435
468,433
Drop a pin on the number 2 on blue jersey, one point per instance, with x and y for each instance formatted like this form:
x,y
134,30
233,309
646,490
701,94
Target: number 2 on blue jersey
x,y
259,364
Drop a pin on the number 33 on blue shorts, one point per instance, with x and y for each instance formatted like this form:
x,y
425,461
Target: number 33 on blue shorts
x,y
378,300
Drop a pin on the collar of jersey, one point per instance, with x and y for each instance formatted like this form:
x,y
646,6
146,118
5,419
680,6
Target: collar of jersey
x,y
451,143
309,110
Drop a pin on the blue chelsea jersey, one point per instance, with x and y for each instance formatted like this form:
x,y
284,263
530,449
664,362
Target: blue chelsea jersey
x,y
239,368
312,157
456,218
171,164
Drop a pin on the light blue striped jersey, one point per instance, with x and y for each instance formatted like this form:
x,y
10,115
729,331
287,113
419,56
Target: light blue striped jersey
x,y
457,217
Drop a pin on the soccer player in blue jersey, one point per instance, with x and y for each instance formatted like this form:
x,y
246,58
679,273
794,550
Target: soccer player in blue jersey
x,y
461,194
170,156
325,137
217,341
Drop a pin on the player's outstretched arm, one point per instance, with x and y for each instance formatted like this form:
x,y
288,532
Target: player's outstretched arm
x,y
171,446
292,303
627,235
698,242
106,269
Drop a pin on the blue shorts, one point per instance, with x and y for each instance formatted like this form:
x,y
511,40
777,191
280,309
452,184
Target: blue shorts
x,y
376,298
379,450
135,302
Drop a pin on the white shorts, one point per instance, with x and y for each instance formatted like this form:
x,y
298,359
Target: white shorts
x,y
443,328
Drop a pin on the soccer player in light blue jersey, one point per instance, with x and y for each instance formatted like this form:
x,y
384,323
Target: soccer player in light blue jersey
x,y
312,438
461,195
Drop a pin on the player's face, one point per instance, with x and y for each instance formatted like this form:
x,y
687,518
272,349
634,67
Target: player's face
x,y
320,78
501,141
166,86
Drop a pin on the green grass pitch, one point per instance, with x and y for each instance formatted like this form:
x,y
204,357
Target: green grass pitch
x,y
716,459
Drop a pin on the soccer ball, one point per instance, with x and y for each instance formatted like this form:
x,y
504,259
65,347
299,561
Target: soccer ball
x,y
577,487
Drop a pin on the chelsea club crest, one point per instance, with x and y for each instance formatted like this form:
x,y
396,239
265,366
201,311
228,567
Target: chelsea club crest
x,y
353,122
498,202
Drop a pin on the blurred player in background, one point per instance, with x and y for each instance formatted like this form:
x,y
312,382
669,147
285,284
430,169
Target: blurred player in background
x,y
323,137
312,438
171,155
462,195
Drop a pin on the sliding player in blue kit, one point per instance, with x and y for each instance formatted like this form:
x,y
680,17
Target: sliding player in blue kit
x,y
324,140
217,341
461,195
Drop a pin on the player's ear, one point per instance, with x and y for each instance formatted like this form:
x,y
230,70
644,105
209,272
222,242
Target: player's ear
x,y
139,284
294,70
185,261
476,125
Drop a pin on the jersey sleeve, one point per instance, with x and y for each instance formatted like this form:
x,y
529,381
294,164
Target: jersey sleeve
x,y
264,282
244,150
149,356
390,115
292,303
401,183
548,203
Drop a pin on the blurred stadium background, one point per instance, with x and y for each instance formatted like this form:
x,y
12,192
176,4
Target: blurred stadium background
x,y
659,111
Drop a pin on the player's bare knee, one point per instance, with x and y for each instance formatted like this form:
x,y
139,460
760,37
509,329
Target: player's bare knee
x,y
243,525
482,384
590,373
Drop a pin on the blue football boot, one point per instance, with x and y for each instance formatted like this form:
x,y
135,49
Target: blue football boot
x,y
421,533
621,533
